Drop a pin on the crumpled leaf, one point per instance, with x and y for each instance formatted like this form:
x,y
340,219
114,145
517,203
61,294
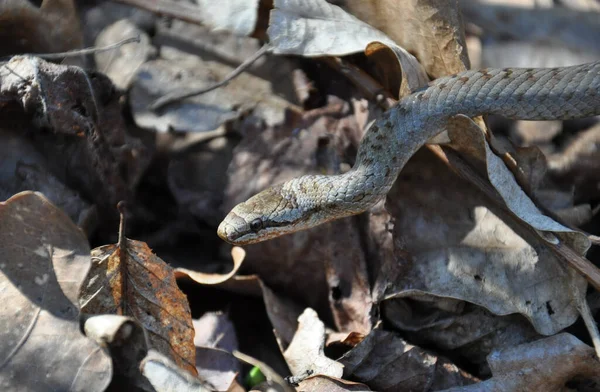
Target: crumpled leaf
x,y
388,363
126,341
43,260
544,365
128,279
95,156
305,353
166,376
51,27
236,16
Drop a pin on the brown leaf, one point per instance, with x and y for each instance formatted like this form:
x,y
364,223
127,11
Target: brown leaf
x,y
128,279
430,29
44,258
52,27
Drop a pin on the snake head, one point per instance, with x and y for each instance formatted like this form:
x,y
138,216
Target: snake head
x,y
264,216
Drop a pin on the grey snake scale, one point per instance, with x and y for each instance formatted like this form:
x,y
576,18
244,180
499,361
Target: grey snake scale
x,y
520,93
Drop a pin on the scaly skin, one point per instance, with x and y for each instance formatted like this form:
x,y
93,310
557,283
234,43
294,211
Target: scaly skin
x,y
308,201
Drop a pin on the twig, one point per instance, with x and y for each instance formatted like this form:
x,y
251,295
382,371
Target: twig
x,y
80,52
590,323
170,98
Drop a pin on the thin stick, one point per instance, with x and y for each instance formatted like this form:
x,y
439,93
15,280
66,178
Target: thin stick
x,y
590,323
81,52
174,97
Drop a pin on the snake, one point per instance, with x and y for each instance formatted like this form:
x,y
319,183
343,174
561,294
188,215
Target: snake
x,y
515,93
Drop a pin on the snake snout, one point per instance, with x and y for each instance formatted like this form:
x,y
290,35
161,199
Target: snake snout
x,y
226,232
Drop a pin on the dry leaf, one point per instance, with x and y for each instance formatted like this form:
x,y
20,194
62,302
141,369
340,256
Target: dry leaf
x,y
166,376
545,365
305,353
51,27
129,280
431,29
237,254
44,258
388,363
82,111
217,368
236,16
126,341
180,73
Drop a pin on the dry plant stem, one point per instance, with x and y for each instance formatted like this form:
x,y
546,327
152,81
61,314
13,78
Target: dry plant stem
x,y
455,163
170,98
122,255
590,323
173,9
84,51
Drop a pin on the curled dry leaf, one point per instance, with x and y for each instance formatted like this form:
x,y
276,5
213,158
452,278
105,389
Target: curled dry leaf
x,y
305,353
388,363
317,28
545,365
44,258
128,279
126,341
237,255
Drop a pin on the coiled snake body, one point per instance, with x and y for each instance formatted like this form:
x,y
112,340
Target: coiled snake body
x,y
308,201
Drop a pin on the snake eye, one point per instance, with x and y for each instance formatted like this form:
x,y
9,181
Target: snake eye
x,y
256,224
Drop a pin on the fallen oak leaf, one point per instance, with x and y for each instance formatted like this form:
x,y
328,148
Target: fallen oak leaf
x,y
128,279
44,258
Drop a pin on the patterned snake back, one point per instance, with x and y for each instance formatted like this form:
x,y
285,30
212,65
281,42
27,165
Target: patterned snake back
x,y
308,201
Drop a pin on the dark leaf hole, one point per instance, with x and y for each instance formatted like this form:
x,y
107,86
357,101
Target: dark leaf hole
x,y
336,293
549,308
478,278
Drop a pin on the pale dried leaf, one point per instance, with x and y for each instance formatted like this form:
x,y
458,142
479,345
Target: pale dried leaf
x,y
181,73
305,353
44,258
217,368
462,247
134,282
166,376
236,16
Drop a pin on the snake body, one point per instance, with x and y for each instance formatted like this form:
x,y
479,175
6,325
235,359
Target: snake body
x,y
308,201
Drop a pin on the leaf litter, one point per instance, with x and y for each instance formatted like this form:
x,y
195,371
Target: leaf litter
x,y
461,280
